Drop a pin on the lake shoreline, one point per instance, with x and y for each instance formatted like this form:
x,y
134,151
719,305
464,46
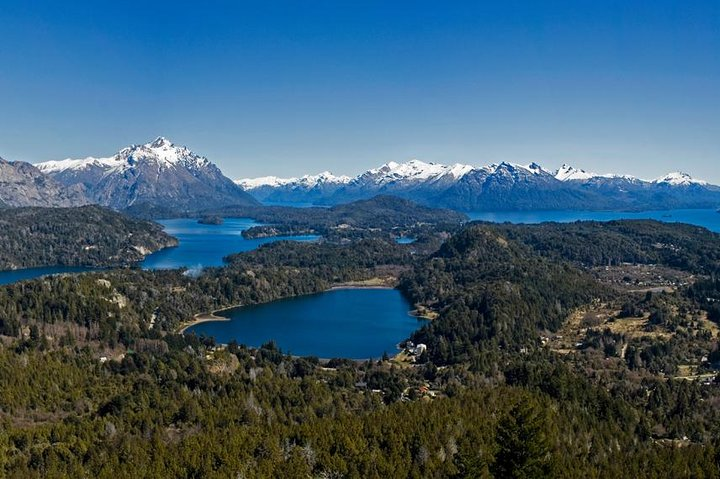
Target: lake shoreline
x,y
205,318
358,355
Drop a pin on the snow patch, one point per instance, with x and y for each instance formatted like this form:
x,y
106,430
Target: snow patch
x,y
679,178
569,173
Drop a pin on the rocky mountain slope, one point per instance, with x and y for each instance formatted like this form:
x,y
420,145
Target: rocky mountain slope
x,y
503,186
21,184
156,174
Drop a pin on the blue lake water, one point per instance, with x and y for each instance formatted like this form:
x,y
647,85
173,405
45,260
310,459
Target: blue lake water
x,y
348,323
200,246
708,218
206,245
404,240
7,277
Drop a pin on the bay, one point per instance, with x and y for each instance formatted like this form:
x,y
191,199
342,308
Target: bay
x,y
204,245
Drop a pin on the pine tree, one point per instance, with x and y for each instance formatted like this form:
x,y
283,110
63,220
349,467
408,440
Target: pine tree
x,y
525,447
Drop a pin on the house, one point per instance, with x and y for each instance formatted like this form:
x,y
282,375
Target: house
x,y
419,349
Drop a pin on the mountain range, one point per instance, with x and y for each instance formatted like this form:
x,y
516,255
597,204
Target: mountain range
x,y
158,174
503,186
161,179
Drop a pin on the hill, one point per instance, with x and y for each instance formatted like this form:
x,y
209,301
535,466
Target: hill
x,y
83,236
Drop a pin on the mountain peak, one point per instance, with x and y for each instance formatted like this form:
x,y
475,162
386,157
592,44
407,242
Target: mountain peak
x,y
508,168
570,173
305,181
154,173
679,178
160,142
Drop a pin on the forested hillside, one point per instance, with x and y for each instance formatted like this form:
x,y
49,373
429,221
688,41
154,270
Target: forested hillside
x,y
356,218
489,288
591,243
539,364
84,236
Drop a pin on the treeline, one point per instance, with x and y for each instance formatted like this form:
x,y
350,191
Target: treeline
x,y
83,236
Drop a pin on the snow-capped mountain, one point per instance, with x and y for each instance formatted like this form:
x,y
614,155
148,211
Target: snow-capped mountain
x,y
569,173
414,171
500,186
21,184
305,189
156,174
308,181
678,178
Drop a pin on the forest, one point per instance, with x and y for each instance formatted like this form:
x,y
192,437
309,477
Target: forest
x,y
82,236
578,350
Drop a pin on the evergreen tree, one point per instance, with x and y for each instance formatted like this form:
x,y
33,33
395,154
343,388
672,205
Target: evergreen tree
x,y
525,445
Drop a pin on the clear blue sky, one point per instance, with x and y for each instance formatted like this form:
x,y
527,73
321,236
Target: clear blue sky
x,y
291,87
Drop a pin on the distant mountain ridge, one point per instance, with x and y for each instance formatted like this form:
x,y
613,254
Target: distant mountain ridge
x,y
158,174
503,186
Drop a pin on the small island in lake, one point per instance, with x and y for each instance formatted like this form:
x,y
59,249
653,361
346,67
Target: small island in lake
x,y
211,220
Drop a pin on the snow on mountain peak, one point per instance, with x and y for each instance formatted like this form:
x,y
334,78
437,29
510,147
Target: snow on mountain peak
x,y
535,168
160,150
160,142
507,168
679,178
54,166
252,183
416,170
165,152
569,173
306,181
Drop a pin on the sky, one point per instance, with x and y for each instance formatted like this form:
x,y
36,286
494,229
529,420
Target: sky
x,y
287,88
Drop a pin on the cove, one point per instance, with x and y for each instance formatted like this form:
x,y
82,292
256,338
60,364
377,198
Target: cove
x,y
342,323
203,245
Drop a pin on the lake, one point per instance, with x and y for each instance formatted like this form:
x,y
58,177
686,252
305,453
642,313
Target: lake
x,y
405,240
206,245
708,218
348,323
200,246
